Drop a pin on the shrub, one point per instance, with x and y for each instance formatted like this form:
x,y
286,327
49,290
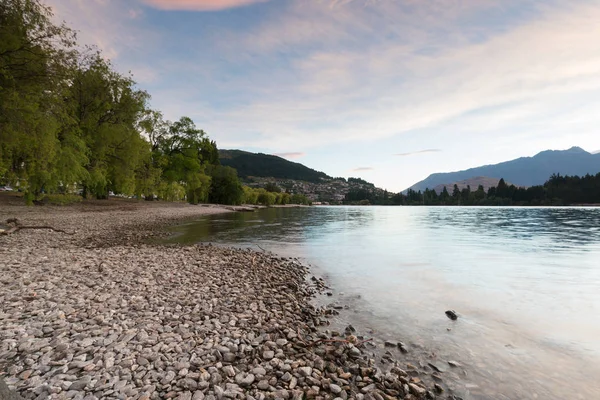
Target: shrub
x,y
61,199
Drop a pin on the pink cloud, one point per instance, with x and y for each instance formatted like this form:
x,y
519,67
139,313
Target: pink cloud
x,y
290,155
412,153
135,14
362,169
200,5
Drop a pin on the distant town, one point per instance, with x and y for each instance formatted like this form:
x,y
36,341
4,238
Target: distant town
x,y
328,191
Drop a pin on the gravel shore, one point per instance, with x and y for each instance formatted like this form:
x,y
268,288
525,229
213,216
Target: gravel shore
x,y
104,314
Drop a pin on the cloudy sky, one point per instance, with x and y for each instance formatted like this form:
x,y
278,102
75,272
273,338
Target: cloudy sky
x,y
387,90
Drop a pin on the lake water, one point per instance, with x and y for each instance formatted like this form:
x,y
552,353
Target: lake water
x,y
525,282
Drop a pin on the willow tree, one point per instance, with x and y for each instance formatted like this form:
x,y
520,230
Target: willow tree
x,y
36,60
107,108
183,149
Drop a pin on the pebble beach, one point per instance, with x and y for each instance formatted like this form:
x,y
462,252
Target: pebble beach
x,y
105,311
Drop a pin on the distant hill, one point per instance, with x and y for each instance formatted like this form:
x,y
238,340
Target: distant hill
x,y
472,182
524,171
268,166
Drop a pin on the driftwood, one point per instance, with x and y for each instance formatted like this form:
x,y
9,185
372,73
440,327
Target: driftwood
x,y
16,226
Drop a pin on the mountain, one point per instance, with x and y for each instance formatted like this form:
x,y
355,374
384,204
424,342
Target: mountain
x,y
524,171
472,182
265,165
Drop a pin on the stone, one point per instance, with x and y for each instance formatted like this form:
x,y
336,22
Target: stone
x,y
268,355
368,388
263,384
25,374
247,381
452,315
80,384
185,396
417,390
6,393
335,389
286,377
198,395
169,376
229,357
219,392
439,367
229,371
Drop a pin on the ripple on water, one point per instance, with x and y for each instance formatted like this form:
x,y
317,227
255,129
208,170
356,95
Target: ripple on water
x,y
526,282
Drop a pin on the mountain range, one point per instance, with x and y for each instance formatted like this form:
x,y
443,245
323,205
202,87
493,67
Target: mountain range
x,y
524,171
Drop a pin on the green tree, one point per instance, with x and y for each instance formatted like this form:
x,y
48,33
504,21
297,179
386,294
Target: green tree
x,y
444,196
179,149
266,198
272,187
107,108
479,194
226,187
36,56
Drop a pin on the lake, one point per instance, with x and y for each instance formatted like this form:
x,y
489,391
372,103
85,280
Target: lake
x,y
524,281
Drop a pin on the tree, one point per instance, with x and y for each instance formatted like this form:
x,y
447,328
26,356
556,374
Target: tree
x,y
479,194
36,57
225,187
266,198
180,149
456,194
445,196
272,187
502,189
107,108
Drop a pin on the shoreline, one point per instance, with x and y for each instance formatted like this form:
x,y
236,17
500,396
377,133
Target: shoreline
x,y
105,314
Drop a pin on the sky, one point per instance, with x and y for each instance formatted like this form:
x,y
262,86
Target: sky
x,y
386,90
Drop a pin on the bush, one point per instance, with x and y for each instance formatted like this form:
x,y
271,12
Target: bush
x,y
61,199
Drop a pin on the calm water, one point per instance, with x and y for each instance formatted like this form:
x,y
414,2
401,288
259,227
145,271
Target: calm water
x,y
525,281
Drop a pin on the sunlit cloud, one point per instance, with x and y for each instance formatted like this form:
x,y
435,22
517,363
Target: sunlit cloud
x,y
200,5
350,71
112,27
413,153
290,155
468,76
362,169
135,13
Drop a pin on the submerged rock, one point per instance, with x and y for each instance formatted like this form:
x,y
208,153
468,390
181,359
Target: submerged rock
x,y
452,315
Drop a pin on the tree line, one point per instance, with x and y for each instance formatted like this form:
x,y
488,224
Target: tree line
x,y
558,190
70,123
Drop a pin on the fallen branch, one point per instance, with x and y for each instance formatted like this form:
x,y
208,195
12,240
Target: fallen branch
x,y
264,251
17,227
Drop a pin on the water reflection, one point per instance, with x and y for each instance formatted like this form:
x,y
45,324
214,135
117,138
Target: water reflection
x,y
276,224
526,282
571,225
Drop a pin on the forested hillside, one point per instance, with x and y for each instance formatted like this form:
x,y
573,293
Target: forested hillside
x,y
265,165
558,190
